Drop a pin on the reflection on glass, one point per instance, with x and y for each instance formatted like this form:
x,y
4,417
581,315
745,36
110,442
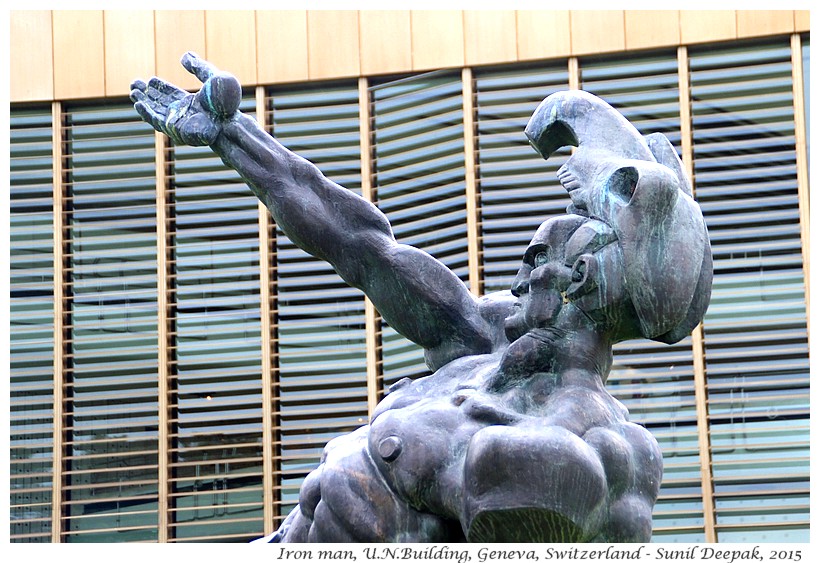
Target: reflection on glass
x,y
755,330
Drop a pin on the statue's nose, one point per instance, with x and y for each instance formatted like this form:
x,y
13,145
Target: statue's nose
x,y
521,283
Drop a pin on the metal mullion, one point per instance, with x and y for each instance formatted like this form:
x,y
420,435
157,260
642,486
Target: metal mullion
x,y
232,505
801,150
204,492
92,442
128,453
766,460
796,525
101,470
211,448
221,460
677,529
93,516
374,375
28,475
777,493
166,314
471,183
698,343
573,74
219,416
98,487
210,538
101,530
270,359
217,522
62,317
317,426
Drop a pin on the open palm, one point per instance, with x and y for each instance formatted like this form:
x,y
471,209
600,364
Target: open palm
x,y
188,119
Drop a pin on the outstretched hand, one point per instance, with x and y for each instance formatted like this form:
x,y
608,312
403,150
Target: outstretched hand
x,y
189,119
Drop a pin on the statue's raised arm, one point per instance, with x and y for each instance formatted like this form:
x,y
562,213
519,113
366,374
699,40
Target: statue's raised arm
x,y
418,295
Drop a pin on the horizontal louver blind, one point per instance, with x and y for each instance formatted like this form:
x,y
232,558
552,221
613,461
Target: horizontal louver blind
x,y
418,150
216,382
31,326
656,381
755,330
321,339
111,395
518,189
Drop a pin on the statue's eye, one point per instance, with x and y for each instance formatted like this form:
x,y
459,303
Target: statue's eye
x,y
540,259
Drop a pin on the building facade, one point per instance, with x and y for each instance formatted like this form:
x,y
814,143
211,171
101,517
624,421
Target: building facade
x,y
177,364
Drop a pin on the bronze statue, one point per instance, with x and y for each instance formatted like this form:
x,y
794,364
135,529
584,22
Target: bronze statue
x,y
514,436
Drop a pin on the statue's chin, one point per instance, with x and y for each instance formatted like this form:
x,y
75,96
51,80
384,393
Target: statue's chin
x,y
515,326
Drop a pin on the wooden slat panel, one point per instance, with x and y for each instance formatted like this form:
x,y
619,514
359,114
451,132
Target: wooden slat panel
x,y
79,68
31,63
707,25
751,23
651,28
230,39
129,48
543,34
802,20
333,43
597,31
178,31
490,36
385,45
438,39
281,46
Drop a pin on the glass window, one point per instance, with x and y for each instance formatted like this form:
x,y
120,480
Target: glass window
x,y
418,148
518,189
755,329
31,324
216,382
656,381
322,388
110,490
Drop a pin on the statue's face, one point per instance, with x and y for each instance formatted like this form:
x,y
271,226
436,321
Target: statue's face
x,y
571,259
544,277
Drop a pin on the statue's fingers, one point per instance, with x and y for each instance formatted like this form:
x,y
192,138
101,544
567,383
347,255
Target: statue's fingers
x,y
155,119
138,85
197,66
137,94
159,89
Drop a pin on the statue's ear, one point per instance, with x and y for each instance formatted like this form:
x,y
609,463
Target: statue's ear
x,y
665,245
663,151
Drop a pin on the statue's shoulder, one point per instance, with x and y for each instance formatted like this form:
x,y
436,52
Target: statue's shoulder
x,y
494,308
496,302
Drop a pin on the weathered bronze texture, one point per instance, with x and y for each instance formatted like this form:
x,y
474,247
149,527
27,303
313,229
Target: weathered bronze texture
x,y
514,437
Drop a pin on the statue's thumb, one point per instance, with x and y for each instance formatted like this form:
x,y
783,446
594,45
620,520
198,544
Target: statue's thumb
x,y
221,94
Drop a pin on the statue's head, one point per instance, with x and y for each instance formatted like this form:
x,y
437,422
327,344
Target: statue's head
x,y
643,253
544,277
572,275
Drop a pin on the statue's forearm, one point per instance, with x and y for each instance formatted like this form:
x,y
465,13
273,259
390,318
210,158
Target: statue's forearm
x,y
318,215
342,228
